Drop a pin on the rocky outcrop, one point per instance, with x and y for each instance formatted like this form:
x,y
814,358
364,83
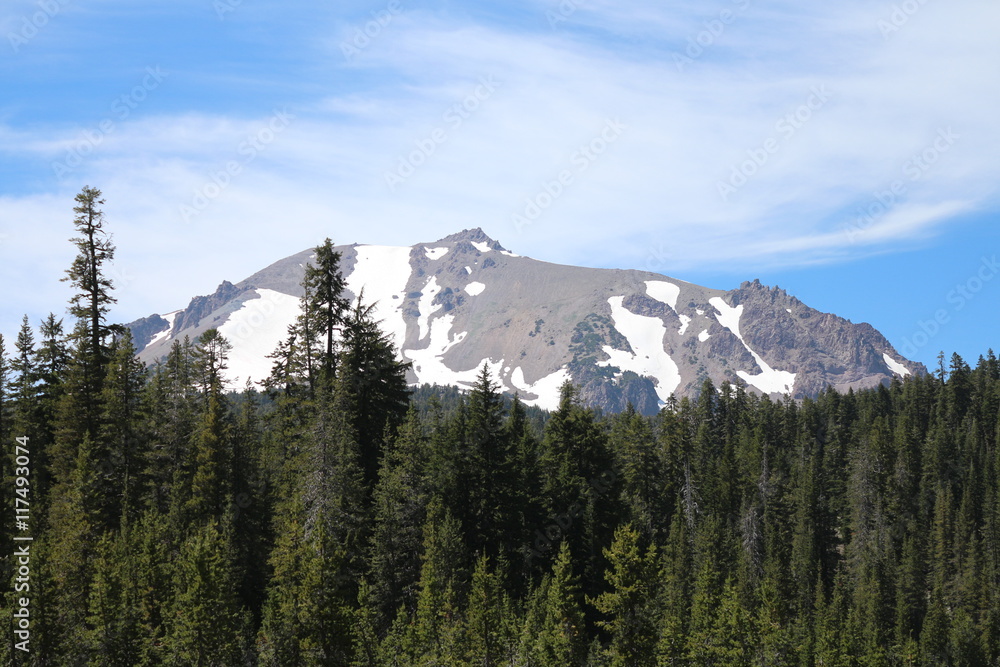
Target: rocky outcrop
x,y
144,330
203,306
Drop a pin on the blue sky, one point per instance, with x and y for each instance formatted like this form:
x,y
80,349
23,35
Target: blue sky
x,y
844,151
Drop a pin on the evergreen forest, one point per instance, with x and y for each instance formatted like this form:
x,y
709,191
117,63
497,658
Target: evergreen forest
x,y
335,516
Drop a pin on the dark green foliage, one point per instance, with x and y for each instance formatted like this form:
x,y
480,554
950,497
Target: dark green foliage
x,y
339,519
323,313
377,384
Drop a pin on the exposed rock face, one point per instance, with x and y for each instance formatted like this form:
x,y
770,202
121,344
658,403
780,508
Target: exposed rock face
x,y
144,330
622,336
203,306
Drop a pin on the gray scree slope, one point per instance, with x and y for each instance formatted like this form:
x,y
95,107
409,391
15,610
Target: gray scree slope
x,y
621,335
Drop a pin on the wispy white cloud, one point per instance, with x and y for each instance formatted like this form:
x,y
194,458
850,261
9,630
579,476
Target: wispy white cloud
x,y
656,186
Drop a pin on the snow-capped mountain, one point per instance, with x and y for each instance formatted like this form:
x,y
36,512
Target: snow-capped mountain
x,y
622,335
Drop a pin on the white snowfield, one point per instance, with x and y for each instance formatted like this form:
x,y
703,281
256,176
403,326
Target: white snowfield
x,y
428,363
894,366
475,288
383,271
645,336
546,388
664,292
704,335
435,253
769,381
481,246
426,306
685,323
255,331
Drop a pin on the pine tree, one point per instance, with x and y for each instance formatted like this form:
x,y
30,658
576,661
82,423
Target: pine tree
x,y
113,620
562,636
675,596
171,406
206,626
212,468
580,487
489,630
324,310
252,504
435,625
65,570
629,607
485,471
633,443
333,488
89,305
400,508
377,382
25,385
120,434
51,361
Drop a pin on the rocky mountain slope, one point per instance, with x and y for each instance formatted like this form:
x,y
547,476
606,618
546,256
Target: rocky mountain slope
x,y
622,335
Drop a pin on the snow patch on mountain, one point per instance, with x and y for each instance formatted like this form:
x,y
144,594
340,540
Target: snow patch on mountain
x,y
685,323
645,336
704,335
382,272
254,332
769,381
435,253
894,366
426,306
664,292
508,253
468,269
428,363
481,246
475,288
547,388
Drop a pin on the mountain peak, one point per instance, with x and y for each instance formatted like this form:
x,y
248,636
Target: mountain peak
x,y
622,336
475,235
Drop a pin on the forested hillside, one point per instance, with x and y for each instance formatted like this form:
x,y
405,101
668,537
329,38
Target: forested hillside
x,y
332,518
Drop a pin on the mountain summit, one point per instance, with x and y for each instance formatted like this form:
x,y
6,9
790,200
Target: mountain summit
x,y
623,336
